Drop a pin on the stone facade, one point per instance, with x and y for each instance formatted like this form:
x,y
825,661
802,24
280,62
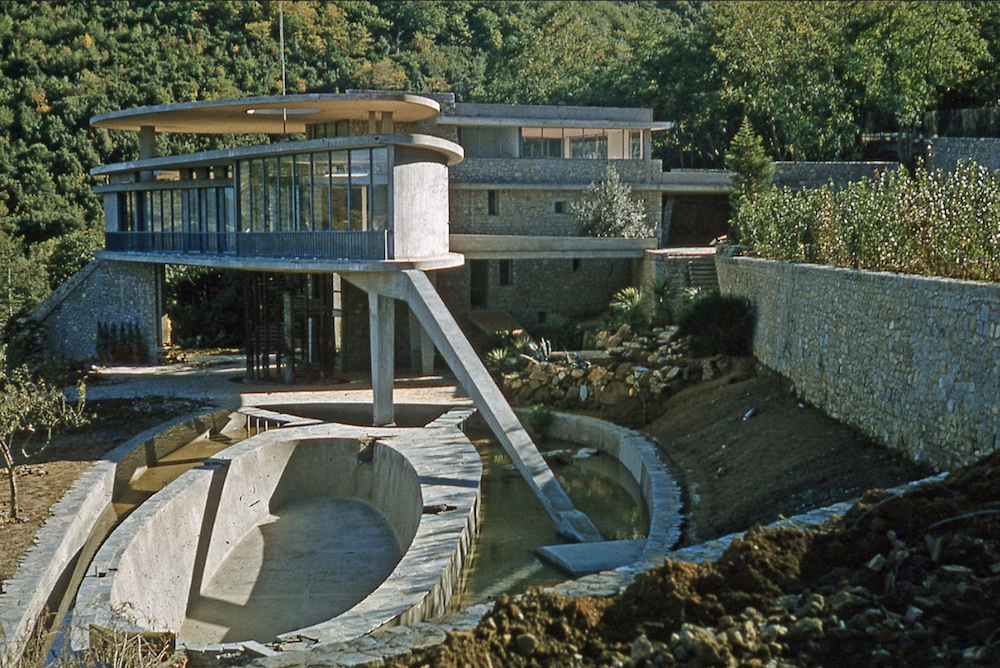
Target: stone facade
x,y
538,288
800,175
944,152
913,362
541,171
103,292
528,212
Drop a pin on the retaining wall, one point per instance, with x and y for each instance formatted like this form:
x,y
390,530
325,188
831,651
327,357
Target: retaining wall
x,y
913,362
799,175
944,152
104,291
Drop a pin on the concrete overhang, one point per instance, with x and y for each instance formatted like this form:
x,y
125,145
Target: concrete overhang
x,y
273,114
510,247
285,265
453,152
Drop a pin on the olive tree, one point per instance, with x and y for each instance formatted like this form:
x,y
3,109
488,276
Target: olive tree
x,y
30,408
607,209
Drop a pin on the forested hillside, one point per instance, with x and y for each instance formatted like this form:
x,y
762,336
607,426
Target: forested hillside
x,y
810,77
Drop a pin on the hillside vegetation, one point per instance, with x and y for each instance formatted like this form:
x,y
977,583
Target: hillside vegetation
x,y
810,77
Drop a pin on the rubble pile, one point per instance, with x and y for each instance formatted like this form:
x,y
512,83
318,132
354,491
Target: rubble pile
x,y
625,368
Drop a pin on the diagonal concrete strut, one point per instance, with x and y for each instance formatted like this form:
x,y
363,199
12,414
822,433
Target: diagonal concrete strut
x,y
415,289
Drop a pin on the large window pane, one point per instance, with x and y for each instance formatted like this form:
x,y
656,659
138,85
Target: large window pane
x,y
258,216
339,205
321,191
271,196
360,189
286,193
380,189
304,189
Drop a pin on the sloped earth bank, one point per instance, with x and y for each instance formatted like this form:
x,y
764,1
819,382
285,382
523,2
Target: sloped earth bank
x,y
747,451
908,580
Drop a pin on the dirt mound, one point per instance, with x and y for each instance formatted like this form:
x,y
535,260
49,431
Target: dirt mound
x,y
900,580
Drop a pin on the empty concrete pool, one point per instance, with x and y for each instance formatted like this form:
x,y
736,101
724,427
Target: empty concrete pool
x,y
320,532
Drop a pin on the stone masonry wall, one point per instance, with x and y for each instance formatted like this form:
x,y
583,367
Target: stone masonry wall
x,y
528,212
531,170
104,291
945,152
914,362
541,286
799,175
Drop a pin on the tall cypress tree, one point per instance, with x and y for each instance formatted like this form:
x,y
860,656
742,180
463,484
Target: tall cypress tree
x,y
751,167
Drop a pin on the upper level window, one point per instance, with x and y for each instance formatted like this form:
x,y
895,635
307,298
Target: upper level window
x,y
489,142
581,143
493,202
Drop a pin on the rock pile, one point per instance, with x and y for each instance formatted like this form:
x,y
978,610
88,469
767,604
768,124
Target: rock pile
x,y
625,368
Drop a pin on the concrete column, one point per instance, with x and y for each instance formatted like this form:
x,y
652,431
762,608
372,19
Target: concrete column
x,y
387,123
381,320
372,123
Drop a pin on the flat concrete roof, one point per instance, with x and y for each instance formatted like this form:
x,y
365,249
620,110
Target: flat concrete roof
x,y
264,115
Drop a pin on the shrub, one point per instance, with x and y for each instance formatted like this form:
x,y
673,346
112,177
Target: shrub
x,y
927,222
717,324
608,210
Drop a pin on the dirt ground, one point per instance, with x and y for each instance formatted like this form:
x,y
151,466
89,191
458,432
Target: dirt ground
x,y
747,452
44,478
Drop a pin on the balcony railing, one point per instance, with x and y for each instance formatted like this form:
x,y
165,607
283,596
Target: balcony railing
x,y
325,245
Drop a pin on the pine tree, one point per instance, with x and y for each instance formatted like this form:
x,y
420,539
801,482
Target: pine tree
x,y
750,164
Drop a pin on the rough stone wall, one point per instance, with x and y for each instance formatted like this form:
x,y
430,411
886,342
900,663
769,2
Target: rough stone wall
x,y
945,152
528,212
104,291
799,175
531,170
914,362
541,287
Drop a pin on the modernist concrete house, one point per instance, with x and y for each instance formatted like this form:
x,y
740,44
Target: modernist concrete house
x,y
356,189
347,205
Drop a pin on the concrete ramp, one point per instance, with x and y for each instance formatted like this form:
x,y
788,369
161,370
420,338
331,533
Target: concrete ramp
x,y
416,290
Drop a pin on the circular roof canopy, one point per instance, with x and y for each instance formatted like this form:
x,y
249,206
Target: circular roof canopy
x,y
272,114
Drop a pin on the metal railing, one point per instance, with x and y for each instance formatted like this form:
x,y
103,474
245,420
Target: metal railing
x,y
327,245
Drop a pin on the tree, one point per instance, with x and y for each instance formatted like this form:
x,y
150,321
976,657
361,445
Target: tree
x,y
608,210
29,405
750,165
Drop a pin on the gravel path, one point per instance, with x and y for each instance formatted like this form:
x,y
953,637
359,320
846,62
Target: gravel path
x,y
217,380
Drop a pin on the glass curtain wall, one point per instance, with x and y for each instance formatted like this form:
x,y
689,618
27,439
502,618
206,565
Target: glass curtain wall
x,y
315,192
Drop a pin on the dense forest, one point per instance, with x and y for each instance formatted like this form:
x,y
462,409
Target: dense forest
x,y
811,78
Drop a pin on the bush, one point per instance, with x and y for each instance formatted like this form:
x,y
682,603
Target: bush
x,y
717,324
929,223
